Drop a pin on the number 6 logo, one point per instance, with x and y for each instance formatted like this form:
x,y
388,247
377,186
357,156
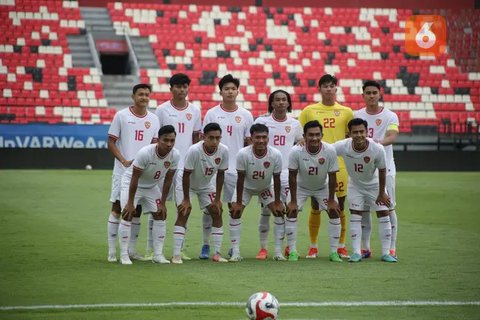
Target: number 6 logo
x,y
425,35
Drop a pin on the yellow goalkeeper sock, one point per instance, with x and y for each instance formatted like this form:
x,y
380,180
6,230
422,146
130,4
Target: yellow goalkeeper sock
x,y
314,225
343,223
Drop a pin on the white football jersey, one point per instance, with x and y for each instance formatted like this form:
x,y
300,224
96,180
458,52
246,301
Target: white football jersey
x,y
153,166
282,134
259,171
132,132
186,121
362,166
378,125
235,128
313,169
204,165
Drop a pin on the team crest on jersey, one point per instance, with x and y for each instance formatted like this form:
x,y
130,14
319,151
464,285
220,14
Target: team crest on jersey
x,y
321,160
189,116
266,164
337,113
166,164
378,122
238,119
147,124
366,159
288,128
217,160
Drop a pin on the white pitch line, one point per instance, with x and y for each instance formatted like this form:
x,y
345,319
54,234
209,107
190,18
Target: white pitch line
x,y
238,304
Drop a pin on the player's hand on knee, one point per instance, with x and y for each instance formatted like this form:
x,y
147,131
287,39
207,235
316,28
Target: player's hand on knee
x,y
184,208
292,209
383,199
128,212
332,206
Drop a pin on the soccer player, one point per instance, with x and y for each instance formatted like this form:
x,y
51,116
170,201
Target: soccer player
x,y
315,163
235,122
365,162
256,165
185,117
283,132
382,128
131,129
203,161
148,181
334,119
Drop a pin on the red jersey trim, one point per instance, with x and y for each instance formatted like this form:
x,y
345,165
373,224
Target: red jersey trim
x,y
278,120
380,111
206,152
179,109
137,115
360,151
221,107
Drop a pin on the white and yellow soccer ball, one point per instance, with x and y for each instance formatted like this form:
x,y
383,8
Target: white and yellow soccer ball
x,y
262,306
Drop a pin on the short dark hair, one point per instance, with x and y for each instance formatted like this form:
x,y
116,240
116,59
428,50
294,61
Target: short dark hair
x,y
166,130
272,96
327,78
312,124
258,127
371,83
229,79
141,86
212,126
357,122
179,79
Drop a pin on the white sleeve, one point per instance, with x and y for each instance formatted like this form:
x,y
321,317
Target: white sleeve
x,y
158,113
298,131
156,127
278,162
190,159
175,159
224,164
380,158
141,159
339,148
241,161
249,122
333,161
114,129
207,120
198,122
293,159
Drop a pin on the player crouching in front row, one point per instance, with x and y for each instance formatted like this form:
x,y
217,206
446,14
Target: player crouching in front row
x,y
365,162
154,166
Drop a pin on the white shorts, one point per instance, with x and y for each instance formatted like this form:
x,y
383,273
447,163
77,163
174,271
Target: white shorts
x,y
146,197
320,195
284,186
390,184
229,185
205,196
363,199
116,187
265,196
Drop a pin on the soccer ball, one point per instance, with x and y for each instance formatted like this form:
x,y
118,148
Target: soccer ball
x,y
262,306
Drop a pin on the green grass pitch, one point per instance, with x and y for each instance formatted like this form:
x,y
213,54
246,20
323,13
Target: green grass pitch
x,y
53,252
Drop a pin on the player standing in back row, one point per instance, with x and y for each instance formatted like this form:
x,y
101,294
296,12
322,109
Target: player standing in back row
x,y
131,129
382,128
334,119
235,122
185,117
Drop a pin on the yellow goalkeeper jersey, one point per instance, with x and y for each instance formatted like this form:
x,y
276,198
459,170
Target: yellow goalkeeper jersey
x,y
334,119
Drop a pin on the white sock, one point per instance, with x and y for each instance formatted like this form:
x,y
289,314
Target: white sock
x,y
112,231
159,230
134,236
334,228
394,222
385,231
178,239
124,230
235,227
279,234
149,233
217,239
207,228
356,232
366,230
291,233
264,227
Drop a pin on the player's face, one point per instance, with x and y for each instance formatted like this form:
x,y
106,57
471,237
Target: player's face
x,y
179,91
229,92
328,90
313,137
260,141
166,142
280,102
212,139
141,97
371,96
358,134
